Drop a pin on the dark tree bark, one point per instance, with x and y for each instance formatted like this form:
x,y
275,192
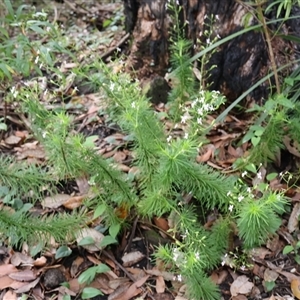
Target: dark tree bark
x,y
240,62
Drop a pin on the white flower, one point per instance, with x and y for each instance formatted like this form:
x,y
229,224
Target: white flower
x,y
230,208
248,190
224,259
259,175
36,60
240,198
186,136
133,104
199,121
179,277
244,174
112,86
169,138
184,119
14,92
193,104
229,194
200,111
197,256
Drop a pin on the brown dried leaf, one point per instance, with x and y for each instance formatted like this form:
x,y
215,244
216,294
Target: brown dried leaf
x,y
131,258
166,275
75,266
260,252
12,140
19,258
294,217
241,285
7,269
83,185
119,291
10,295
115,283
94,234
295,287
133,290
161,223
25,275
101,282
55,201
32,153
119,156
239,297
289,147
5,282
160,285
26,288
270,275
40,262
123,168
74,202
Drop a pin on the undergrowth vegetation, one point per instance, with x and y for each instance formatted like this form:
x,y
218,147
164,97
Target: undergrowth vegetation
x,y
169,181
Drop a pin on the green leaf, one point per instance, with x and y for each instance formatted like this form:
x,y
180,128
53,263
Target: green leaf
x,y
102,268
88,275
3,126
37,29
66,297
247,136
9,8
86,241
297,259
286,102
271,176
106,23
107,240
251,168
3,191
63,251
269,285
5,69
89,141
287,249
255,140
114,230
289,81
90,292
259,132
99,210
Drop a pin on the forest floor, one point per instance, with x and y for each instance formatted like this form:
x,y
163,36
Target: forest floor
x,y
97,29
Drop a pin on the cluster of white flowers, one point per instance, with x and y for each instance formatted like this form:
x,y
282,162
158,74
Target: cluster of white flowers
x,y
178,257
14,92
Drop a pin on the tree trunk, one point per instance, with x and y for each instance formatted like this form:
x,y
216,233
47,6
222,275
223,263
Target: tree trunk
x,y
239,62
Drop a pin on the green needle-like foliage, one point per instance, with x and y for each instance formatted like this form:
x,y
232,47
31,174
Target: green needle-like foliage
x,y
199,286
19,227
258,219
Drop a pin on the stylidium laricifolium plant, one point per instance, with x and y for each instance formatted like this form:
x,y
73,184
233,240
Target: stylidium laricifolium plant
x,y
259,213
167,169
